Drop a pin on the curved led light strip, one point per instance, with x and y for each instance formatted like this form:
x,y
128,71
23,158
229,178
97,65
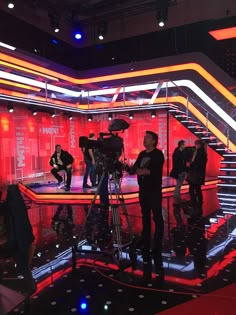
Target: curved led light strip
x,y
172,99
152,86
7,64
141,87
126,75
42,85
19,85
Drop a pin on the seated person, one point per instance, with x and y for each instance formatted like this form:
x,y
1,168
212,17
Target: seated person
x,y
61,160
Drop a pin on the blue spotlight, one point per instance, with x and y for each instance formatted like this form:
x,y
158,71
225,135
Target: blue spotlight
x,y
83,306
55,41
78,35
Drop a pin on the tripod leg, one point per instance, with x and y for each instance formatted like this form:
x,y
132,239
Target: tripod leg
x,y
78,239
117,225
132,246
123,206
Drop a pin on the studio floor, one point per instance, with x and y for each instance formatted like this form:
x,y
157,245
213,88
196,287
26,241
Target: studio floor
x,y
199,256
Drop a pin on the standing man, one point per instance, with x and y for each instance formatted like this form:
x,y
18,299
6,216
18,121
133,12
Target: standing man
x,y
196,175
149,167
61,160
90,165
179,169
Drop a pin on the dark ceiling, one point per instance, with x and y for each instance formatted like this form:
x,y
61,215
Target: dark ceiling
x,y
177,40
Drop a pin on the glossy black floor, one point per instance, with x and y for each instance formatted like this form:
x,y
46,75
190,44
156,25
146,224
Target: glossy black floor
x,y
199,257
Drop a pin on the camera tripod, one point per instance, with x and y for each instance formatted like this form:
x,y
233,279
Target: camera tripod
x,y
116,251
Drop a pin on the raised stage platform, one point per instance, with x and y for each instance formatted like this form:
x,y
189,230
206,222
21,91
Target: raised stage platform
x,y
46,191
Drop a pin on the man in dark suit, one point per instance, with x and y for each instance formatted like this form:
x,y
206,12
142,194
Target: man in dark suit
x,y
61,160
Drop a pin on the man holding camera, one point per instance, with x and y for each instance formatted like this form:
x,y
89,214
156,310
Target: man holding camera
x,y
149,167
62,160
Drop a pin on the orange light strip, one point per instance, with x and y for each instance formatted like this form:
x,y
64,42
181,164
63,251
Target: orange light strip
x,y
20,85
224,33
37,98
171,99
7,64
71,198
154,71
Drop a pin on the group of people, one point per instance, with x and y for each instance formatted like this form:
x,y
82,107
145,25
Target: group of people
x,y
187,165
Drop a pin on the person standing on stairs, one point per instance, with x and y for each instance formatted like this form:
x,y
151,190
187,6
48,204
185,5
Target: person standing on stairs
x,y
197,173
179,169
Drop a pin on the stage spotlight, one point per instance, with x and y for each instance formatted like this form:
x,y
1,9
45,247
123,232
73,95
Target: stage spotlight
x,y
90,117
70,117
153,114
83,306
78,35
109,116
35,113
11,5
131,116
162,12
10,108
53,115
54,21
101,30
55,41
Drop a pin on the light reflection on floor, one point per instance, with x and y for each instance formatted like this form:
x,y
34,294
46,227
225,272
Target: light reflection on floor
x,y
199,256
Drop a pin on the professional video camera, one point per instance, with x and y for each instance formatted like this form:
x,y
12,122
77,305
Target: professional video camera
x,y
108,148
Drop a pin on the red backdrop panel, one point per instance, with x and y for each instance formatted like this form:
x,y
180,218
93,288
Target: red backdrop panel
x,y
27,141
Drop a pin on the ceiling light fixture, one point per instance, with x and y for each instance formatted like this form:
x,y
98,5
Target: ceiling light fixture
x,y
11,5
10,108
101,30
161,12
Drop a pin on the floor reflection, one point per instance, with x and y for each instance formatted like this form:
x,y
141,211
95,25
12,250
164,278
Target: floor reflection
x,y
199,251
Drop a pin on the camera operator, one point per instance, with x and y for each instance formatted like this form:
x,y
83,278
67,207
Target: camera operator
x,y
149,167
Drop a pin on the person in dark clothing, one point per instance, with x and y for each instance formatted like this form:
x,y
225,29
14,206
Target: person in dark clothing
x,y
90,165
149,167
179,169
196,175
61,160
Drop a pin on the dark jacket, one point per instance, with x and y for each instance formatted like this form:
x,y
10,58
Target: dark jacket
x,y
197,170
153,161
179,159
65,156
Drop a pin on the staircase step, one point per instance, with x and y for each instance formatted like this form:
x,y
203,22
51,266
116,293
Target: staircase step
x,y
227,162
227,176
229,154
228,169
226,195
